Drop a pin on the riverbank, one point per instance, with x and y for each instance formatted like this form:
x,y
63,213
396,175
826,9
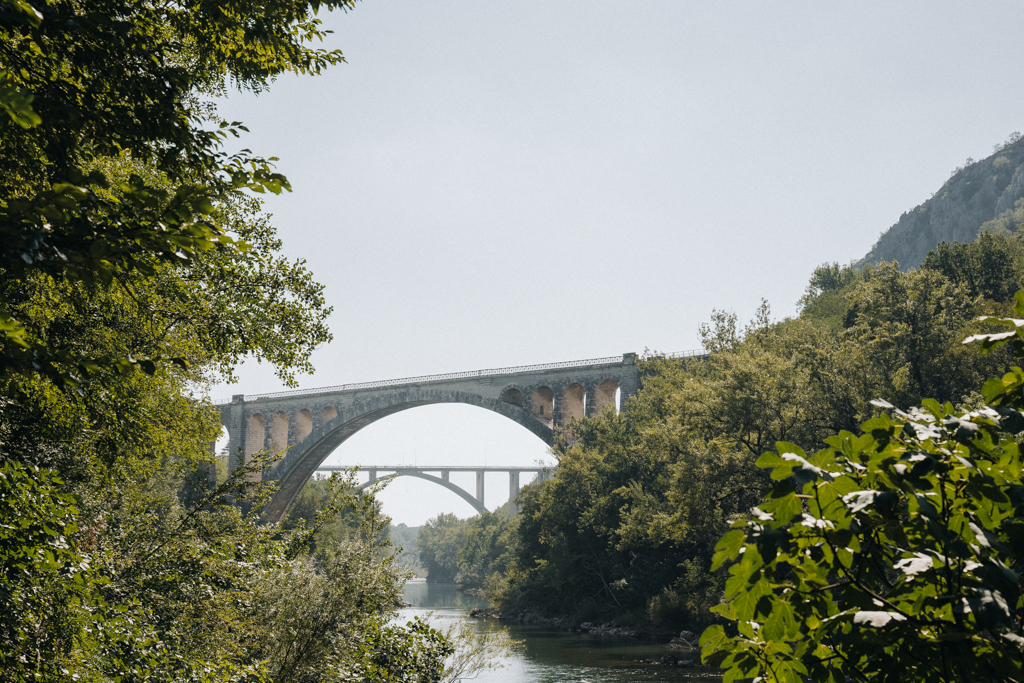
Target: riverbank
x,y
559,653
684,640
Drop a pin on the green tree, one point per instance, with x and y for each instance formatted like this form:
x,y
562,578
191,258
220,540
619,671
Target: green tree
x,y
905,328
825,299
487,543
438,544
42,572
991,266
337,526
128,82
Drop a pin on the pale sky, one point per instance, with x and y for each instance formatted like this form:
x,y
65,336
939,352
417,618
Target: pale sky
x,y
487,184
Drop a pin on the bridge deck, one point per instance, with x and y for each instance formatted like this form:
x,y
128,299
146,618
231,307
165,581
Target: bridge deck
x,y
424,379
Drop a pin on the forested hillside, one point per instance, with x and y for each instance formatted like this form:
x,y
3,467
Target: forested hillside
x,y
627,527
981,195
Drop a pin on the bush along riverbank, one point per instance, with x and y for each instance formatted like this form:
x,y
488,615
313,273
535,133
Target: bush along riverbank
x,y
684,650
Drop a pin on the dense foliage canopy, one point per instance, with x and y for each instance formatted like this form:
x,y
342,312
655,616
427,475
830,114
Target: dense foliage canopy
x,y
112,161
627,527
468,552
136,267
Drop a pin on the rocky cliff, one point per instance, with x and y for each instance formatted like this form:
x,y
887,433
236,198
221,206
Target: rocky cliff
x,y
984,194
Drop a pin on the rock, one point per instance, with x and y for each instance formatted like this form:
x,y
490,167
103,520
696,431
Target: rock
x,y
586,626
669,659
973,196
686,662
687,635
477,613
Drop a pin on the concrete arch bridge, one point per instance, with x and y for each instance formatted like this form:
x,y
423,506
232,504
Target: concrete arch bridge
x,y
441,475
314,422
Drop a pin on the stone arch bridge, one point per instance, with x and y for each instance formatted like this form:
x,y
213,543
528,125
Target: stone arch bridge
x,y
313,423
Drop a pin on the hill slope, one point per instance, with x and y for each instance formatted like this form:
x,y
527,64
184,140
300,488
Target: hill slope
x,y
985,193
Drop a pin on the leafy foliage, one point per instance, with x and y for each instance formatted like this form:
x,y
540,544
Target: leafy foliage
x,y
130,240
43,574
627,527
122,81
438,543
470,552
991,266
890,556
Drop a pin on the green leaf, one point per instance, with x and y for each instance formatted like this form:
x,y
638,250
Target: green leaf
x,y
787,447
745,602
728,547
769,459
783,508
781,622
711,640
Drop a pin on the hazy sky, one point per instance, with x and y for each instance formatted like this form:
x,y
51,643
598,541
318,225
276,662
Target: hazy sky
x,y
487,184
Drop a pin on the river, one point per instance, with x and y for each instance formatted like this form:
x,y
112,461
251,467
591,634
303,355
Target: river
x,y
550,656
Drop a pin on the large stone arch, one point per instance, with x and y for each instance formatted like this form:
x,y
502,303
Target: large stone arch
x,y
463,493
302,460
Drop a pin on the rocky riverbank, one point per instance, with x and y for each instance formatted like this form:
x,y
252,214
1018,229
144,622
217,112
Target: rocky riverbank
x,y
685,640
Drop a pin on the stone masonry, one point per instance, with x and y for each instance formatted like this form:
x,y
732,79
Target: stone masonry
x,y
313,423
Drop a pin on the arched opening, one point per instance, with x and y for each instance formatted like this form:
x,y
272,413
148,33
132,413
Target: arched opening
x,y
512,395
542,404
455,435
573,403
413,500
293,472
462,493
222,456
303,424
255,434
606,395
278,432
328,414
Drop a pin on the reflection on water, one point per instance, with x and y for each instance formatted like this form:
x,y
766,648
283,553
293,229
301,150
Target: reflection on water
x,y
548,656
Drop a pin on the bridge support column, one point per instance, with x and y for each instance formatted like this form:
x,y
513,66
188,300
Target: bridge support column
x,y
233,418
513,492
373,475
211,469
591,400
480,486
444,475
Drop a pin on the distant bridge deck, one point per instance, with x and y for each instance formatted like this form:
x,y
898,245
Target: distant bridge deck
x,y
434,468
422,472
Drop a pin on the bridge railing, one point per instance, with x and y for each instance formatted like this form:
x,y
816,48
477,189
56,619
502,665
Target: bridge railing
x,y
469,374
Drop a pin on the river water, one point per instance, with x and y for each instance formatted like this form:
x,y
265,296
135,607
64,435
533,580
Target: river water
x,y
549,656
